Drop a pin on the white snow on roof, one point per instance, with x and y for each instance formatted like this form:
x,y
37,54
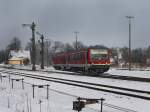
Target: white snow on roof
x,y
20,54
16,58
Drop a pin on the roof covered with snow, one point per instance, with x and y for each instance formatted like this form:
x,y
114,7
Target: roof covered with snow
x,y
15,54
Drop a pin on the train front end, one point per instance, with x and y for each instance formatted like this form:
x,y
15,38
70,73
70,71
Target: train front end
x,y
99,60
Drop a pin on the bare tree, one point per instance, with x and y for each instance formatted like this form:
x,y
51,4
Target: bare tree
x,y
79,45
57,47
68,47
15,44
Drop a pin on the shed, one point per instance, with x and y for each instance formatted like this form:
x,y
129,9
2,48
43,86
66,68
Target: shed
x,y
18,61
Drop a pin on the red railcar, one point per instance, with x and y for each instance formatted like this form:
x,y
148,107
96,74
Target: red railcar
x,y
87,60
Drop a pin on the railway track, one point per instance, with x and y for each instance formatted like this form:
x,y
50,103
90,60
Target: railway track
x,y
93,86
129,78
104,75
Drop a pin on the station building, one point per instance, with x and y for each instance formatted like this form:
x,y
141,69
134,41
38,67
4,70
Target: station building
x,y
19,57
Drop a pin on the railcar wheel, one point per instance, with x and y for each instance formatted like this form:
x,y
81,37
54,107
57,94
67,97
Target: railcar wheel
x,y
85,73
57,68
90,73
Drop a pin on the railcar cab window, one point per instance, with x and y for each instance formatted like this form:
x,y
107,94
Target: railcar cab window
x,y
97,54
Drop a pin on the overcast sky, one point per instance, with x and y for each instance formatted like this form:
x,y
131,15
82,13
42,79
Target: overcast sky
x,y
98,21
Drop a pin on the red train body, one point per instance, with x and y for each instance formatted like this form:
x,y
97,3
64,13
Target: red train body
x,y
88,60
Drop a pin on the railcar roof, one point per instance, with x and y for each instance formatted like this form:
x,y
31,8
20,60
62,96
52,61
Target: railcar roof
x,y
75,51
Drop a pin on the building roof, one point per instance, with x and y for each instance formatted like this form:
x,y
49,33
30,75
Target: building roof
x,y
15,59
19,54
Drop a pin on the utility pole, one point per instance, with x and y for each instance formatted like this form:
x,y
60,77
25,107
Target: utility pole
x,y
76,44
48,43
42,52
42,49
32,26
129,57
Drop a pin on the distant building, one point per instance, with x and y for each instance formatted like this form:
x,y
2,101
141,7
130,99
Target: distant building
x,y
19,57
116,57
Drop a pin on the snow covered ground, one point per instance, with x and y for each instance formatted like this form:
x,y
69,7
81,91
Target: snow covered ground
x,y
62,96
114,82
134,73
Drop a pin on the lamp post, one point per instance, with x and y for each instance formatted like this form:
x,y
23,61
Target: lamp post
x,y
129,56
32,26
76,33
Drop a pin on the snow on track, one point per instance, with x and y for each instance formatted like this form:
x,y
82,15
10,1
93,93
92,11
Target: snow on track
x,y
64,103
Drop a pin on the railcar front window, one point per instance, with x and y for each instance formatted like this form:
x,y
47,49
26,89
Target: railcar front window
x,y
98,55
